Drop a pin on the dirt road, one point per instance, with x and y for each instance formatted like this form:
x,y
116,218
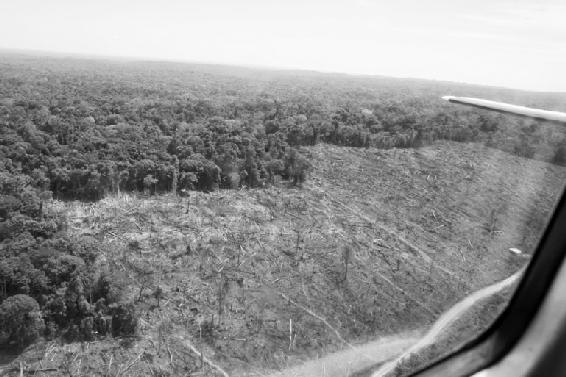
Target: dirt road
x,y
351,360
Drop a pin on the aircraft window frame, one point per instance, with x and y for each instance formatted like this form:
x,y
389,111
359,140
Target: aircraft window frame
x,y
503,334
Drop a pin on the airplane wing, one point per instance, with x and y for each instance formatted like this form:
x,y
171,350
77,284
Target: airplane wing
x,y
545,115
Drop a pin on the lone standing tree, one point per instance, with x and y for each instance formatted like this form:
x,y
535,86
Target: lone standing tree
x,y
20,319
346,254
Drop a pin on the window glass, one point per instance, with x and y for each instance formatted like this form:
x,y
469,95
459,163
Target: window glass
x,y
160,217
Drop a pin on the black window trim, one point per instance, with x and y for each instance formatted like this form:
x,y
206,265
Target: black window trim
x,y
499,339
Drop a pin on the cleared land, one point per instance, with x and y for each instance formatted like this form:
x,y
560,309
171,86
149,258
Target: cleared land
x,y
376,243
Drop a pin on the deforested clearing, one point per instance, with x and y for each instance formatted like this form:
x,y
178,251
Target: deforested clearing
x,y
258,280
164,219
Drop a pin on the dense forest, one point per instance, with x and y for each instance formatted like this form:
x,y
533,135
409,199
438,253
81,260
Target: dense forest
x,y
78,129
83,129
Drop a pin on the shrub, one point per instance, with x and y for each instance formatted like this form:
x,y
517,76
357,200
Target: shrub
x,y
87,328
206,331
20,320
124,319
8,203
296,167
110,287
72,333
75,301
559,157
524,148
20,276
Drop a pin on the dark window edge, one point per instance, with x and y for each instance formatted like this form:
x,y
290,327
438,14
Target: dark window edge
x,y
499,339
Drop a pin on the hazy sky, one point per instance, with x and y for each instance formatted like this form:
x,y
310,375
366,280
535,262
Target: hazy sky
x,y
514,43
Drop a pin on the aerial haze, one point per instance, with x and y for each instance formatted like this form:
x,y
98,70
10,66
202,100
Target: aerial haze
x,y
517,44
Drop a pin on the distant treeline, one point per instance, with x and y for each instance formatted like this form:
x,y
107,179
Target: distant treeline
x,y
82,129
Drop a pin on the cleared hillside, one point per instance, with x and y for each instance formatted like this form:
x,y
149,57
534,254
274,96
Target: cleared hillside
x,y
377,242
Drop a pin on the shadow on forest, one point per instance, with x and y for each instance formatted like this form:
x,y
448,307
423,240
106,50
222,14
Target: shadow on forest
x,y
8,354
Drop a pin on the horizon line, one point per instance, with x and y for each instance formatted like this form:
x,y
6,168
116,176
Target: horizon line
x,y
131,58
